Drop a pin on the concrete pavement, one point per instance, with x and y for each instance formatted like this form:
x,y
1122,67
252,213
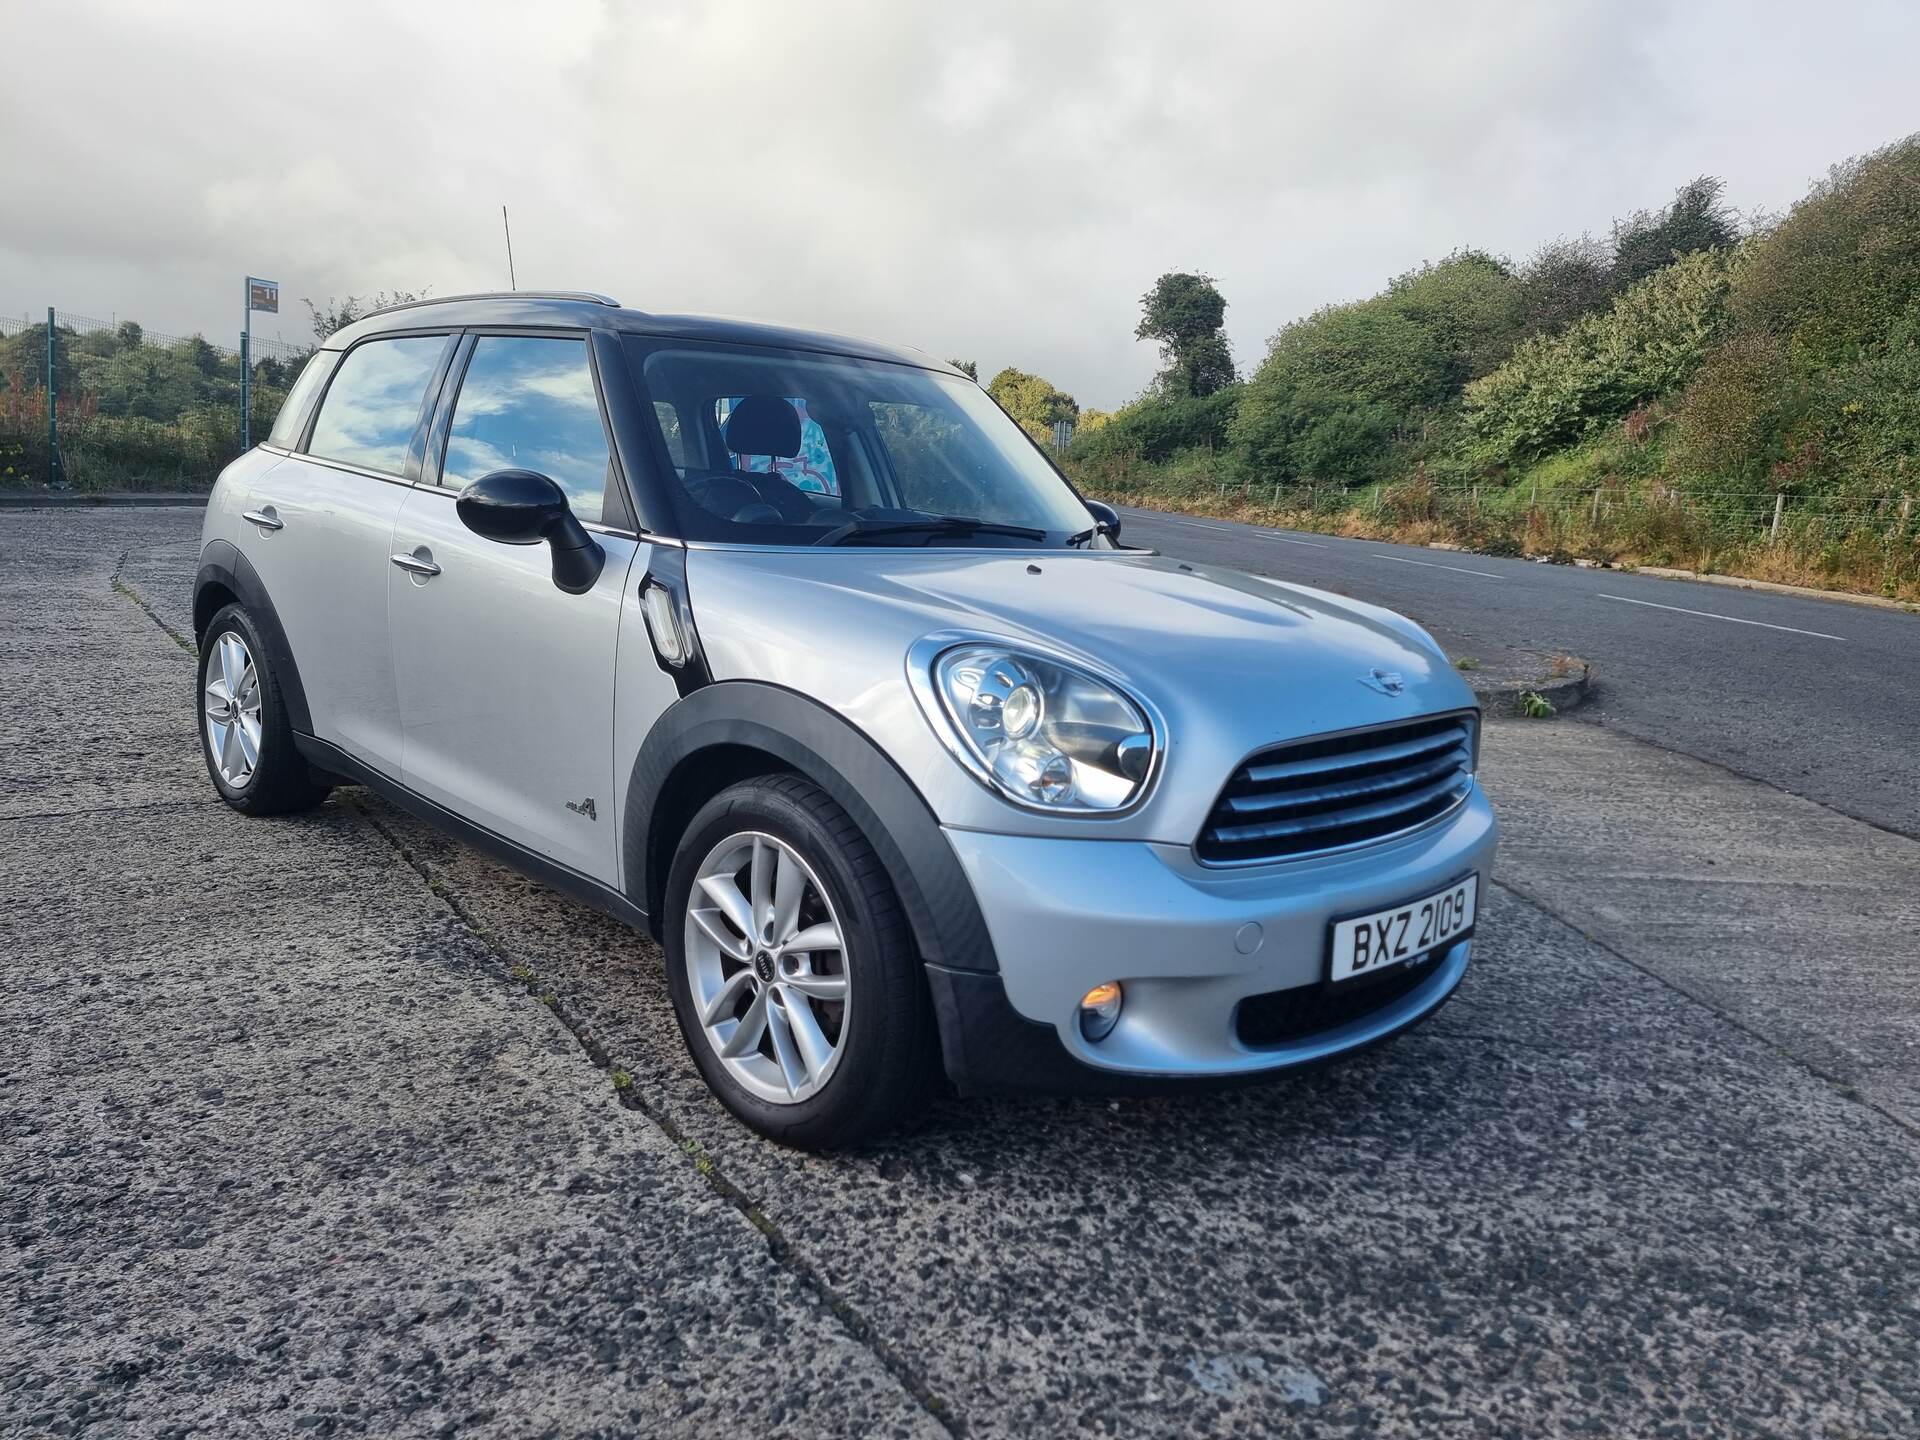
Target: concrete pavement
x,y
308,1125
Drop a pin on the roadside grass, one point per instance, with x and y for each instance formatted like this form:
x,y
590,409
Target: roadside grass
x,y
1601,502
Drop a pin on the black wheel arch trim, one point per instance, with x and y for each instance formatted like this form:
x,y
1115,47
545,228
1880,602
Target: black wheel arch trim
x,y
222,564
813,741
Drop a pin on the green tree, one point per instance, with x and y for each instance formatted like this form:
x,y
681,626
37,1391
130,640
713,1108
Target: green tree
x,y
1036,403
336,315
1696,220
1564,280
1844,266
1341,389
1557,389
1186,313
968,368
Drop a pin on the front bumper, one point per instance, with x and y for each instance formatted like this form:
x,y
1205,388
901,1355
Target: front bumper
x,y
1188,942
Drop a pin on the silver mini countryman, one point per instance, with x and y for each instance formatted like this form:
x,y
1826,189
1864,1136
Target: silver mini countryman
x,y
796,651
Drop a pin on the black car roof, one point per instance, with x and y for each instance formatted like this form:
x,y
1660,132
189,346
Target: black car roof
x,y
587,310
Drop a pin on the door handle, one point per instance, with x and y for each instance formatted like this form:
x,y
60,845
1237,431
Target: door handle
x,y
265,519
413,564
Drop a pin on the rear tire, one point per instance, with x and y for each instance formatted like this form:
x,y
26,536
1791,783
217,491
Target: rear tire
x,y
245,737
834,1042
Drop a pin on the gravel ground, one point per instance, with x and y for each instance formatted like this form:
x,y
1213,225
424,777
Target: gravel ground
x,y
311,1124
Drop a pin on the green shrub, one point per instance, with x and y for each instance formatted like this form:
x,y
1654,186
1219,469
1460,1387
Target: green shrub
x,y
1555,390
1866,411
1730,421
1156,427
1844,265
1343,390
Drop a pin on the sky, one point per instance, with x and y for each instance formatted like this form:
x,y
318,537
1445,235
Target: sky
x,y
991,181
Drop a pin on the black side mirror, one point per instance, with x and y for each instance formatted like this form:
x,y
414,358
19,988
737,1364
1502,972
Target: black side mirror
x,y
1108,517
524,507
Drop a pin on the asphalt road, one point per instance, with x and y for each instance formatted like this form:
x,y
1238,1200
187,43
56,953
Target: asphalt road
x,y
1818,697
312,1127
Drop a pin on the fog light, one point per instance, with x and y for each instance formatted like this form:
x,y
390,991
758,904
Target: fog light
x,y
1100,1010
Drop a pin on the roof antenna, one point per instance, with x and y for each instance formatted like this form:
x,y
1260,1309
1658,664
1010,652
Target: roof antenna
x,y
512,284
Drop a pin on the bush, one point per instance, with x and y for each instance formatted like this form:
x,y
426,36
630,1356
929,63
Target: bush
x,y
1341,389
1156,428
1730,420
1844,265
1555,390
1866,412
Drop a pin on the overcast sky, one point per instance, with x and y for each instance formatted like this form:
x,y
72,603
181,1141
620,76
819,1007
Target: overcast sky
x,y
995,181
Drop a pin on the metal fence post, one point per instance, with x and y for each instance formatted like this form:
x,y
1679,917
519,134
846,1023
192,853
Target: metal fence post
x,y
246,385
53,412
1779,504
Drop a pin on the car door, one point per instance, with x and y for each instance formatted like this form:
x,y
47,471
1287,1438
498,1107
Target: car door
x,y
506,682
321,528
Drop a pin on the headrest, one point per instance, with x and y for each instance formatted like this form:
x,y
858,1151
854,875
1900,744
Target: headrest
x,y
764,425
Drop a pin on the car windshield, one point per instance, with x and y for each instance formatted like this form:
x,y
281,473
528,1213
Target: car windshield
x,y
795,448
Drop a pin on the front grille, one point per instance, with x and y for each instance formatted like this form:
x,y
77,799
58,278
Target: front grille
x,y
1279,1017
1339,790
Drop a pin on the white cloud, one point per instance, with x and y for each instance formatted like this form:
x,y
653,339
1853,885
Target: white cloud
x,y
999,181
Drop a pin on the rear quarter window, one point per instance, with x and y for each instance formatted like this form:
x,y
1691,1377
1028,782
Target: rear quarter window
x,y
298,405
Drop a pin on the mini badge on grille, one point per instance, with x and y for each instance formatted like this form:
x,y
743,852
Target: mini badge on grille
x,y
1387,682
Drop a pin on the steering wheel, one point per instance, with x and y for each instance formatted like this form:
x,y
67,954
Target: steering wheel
x,y
751,497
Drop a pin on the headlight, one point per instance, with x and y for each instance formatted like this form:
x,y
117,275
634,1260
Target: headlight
x,y
1042,732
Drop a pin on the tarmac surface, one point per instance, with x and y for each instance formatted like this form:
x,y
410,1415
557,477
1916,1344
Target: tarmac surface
x,y
330,1125
1814,696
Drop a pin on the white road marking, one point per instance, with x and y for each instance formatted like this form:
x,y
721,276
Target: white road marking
x,y
1238,530
1457,569
1710,615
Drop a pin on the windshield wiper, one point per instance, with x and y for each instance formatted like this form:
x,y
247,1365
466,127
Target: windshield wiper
x,y
930,526
1082,537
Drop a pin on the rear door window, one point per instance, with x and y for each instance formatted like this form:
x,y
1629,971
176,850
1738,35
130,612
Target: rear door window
x,y
528,402
373,407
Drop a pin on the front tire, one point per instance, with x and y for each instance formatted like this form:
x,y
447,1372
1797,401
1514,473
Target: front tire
x,y
792,969
245,737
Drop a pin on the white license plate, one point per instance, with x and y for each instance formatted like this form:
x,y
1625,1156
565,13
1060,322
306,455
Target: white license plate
x,y
1368,943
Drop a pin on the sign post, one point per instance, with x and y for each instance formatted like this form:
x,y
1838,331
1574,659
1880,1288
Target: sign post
x,y
264,296
53,414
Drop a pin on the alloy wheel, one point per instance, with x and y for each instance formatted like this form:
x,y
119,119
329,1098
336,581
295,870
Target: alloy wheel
x,y
767,967
231,708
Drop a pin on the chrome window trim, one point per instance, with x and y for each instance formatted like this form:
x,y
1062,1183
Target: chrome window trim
x,y
594,525
348,467
1471,712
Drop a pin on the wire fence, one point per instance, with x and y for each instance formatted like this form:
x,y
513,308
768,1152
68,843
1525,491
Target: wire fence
x,y
1858,539
94,404
1747,513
